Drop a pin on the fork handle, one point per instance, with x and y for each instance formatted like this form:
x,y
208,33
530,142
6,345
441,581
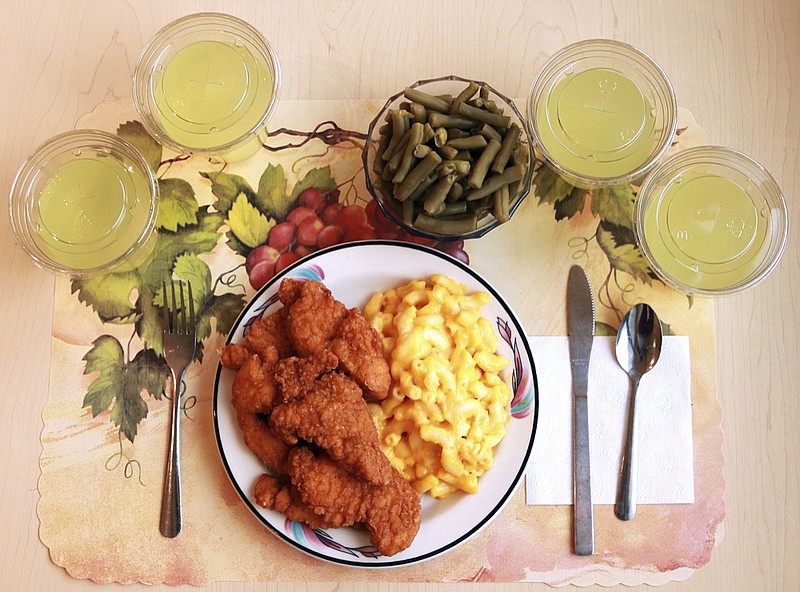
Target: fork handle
x,y
171,520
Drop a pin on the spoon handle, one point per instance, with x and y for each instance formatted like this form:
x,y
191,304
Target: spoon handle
x,y
625,508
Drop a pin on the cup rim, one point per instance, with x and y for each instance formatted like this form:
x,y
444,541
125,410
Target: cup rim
x,y
550,71
19,196
152,51
725,157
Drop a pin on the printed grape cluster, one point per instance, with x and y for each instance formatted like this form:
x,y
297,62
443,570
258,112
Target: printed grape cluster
x,y
319,221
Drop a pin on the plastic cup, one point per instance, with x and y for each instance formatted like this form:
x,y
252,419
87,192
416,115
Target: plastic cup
x,y
84,203
207,83
711,221
602,113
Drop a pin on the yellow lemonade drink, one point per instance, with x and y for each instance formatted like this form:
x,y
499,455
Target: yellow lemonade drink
x,y
85,203
207,83
602,113
707,227
212,93
597,123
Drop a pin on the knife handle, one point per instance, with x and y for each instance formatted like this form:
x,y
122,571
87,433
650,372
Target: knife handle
x,y
582,489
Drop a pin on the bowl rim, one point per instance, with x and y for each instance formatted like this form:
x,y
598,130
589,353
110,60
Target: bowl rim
x,y
525,187
730,158
546,74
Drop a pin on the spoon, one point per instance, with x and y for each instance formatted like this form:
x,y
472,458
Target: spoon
x,y
638,349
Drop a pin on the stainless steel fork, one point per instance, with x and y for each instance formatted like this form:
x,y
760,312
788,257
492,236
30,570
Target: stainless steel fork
x,y
179,348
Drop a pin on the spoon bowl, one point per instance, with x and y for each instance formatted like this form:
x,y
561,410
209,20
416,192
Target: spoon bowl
x,y
638,349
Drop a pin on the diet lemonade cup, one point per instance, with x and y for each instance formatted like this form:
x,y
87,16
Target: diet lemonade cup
x,y
601,113
711,221
85,202
207,83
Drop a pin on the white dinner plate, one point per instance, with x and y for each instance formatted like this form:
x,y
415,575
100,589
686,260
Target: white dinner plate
x,y
353,272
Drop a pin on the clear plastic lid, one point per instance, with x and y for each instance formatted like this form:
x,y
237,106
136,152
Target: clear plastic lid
x,y
206,83
711,220
601,113
85,202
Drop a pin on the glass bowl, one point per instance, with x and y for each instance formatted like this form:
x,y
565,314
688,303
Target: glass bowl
x,y
711,221
461,225
84,203
207,83
602,113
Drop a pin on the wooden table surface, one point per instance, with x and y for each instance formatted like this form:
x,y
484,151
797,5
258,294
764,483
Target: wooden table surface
x,y
732,63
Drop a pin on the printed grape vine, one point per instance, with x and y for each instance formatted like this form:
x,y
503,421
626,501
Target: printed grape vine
x,y
268,224
613,206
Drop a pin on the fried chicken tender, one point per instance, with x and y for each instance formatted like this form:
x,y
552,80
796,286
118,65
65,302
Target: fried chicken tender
x,y
360,353
294,375
391,512
254,389
313,316
268,337
262,441
233,356
270,492
303,377
331,412
316,321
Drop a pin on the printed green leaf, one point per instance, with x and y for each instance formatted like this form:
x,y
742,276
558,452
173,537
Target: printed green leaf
x,y
129,409
226,188
319,177
197,238
615,205
570,205
225,308
191,268
177,204
550,187
247,223
271,199
118,385
622,234
105,357
624,257
149,325
149,371
109,295
134,132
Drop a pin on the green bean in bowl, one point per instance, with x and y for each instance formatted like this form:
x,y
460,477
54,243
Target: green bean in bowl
x,y
448,158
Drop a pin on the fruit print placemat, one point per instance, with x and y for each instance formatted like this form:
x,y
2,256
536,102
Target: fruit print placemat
x,y
224,226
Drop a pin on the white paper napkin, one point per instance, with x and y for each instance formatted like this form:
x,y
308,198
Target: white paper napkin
x,y
664,410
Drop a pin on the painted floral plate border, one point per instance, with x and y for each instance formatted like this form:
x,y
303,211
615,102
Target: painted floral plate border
x,y
353,272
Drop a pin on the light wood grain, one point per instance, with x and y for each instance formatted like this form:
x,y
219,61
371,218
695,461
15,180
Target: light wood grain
x,y
733,64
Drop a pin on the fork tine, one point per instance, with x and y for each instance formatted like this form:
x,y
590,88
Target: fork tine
x,y
191,328
166,307
173,314
181,329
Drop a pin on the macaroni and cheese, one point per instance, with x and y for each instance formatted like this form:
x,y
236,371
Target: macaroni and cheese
x,y
448,405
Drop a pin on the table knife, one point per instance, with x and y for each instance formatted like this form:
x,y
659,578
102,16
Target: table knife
x,y
580,322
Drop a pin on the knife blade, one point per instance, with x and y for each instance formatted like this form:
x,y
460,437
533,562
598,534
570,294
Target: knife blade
x,y
580,323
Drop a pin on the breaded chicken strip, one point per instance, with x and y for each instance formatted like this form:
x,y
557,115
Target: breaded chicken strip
x,y
233,356
313,316
272,493
294,375
331,413
360,353
391,512
268,338
254,389
258,437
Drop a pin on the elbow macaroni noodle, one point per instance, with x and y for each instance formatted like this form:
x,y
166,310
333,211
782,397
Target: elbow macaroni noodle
x,y
448,405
